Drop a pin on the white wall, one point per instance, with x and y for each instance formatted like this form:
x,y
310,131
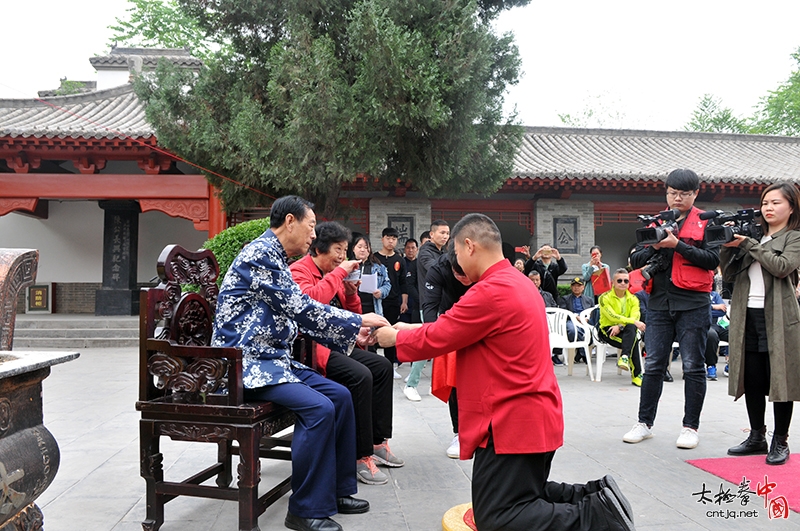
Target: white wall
x,y
70,241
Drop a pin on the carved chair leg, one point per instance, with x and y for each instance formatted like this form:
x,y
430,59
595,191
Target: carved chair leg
x,y
224,456
152,471
249,472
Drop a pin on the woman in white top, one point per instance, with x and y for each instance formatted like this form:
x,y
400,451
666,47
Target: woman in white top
x,y
765,321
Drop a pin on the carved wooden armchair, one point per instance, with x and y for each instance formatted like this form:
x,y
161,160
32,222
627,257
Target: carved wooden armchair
x,y
190,391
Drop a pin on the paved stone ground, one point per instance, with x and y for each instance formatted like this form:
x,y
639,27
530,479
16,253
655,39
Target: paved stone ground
x,y
89,408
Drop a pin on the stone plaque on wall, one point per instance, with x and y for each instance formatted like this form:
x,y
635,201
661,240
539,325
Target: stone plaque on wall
x,y
405,226
565,235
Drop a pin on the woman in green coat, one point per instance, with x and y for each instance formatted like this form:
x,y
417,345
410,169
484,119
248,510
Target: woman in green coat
x,y
764,329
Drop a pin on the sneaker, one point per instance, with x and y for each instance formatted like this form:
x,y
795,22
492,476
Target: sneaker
x,y
636,380
412,394
688,438
725,370
668,377
396,375
454,450
384,456
638,433
368,473
613,511
712,374
623,363
557,361
406,378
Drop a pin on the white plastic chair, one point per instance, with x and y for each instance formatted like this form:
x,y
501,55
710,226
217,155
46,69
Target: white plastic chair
x,y
602,347
557,323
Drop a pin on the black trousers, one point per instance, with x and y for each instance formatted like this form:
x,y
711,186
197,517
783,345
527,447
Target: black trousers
x,y
511,492
368,377
627,342
392,314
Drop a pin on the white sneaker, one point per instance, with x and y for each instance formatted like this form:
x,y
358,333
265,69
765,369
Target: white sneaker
x,y
638,433
688,438
454,450
406,378
412,394
396,375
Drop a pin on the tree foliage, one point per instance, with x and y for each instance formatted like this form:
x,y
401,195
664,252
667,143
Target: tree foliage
x,y
778,113
161,24
310,93
711,117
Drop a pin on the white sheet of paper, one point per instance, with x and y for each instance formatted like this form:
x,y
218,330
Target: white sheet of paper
x,y
369,283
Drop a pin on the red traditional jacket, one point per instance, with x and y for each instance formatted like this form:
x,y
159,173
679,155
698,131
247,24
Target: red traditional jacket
x,y
504,373
323,289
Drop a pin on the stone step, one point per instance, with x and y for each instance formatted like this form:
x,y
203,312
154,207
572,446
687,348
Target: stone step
x,y
76,333
73,343
26,321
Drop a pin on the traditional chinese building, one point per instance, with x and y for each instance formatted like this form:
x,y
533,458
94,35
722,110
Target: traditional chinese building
x,y
82,180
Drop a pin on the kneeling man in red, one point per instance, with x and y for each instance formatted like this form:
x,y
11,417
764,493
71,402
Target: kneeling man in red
x,y
509,403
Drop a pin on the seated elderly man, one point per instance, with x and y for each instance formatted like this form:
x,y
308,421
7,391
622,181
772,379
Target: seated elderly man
x,y
322,275
260,310
619,322
576,302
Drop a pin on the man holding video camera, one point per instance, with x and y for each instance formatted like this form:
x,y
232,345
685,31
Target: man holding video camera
x,y
681,272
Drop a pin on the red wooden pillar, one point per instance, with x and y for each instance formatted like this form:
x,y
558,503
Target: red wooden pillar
x,y
217,218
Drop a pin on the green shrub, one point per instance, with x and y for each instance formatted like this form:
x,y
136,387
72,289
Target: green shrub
x,y
227,244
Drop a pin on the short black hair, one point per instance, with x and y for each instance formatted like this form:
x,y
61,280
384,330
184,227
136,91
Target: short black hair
x,y
451,257
289,204
390,231
439,223
328,233
411,240
425,235
478,227
682,179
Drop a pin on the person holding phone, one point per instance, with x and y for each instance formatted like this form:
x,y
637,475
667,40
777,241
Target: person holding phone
x,y
321,275
764,333
595,263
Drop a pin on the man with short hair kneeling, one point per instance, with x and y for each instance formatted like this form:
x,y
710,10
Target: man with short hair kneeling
x,y
510,420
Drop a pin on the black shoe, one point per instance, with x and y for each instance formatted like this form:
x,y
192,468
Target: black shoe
x,y
756,443
778,450
350,505
556,360
310,524
613,512
668,377
609,483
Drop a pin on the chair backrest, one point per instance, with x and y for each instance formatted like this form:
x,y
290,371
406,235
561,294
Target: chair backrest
x,y
176,359
557,319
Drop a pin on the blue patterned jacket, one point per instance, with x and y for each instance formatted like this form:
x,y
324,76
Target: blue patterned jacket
x,y
260,310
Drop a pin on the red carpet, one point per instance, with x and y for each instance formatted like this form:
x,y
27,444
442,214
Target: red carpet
x,y
784,479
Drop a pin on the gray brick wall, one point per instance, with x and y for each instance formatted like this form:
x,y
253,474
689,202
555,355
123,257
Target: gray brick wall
x,y
380,209
548,209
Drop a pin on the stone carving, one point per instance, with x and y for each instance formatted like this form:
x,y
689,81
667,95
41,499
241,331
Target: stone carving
x,y
183,432
17,271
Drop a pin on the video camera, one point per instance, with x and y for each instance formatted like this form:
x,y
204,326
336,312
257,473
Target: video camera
x,y
717,233
665,223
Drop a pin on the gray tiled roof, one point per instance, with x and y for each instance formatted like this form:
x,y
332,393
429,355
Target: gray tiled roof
x,y
564,153
112,113
118,58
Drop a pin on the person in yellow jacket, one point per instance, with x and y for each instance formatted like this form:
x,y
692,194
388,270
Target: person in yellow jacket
x,y
619,321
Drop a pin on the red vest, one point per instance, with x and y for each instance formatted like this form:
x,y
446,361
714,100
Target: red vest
x,y
685,274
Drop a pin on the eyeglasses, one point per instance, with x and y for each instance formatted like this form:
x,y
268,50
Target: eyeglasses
x,y
682,195
622,281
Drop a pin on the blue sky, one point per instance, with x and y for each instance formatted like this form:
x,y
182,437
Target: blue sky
x,y
641,65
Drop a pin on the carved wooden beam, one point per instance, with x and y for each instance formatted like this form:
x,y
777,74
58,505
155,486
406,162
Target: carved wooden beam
x,y
10,204
89,165
22,163
155,164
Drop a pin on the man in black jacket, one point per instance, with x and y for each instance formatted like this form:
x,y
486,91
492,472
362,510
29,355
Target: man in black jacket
x,y
445,284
